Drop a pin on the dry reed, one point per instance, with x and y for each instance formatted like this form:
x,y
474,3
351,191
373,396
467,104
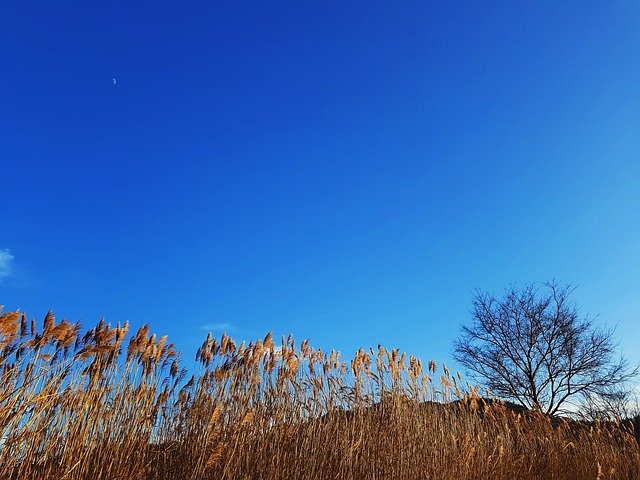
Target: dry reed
x,y
78,407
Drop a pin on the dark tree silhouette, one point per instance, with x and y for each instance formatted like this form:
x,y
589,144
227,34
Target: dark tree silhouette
x,y
532,346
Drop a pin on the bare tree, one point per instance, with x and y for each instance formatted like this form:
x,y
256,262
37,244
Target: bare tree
x,y
619,403
532,346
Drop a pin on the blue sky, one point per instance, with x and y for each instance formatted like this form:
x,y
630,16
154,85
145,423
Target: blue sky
x,y
346,171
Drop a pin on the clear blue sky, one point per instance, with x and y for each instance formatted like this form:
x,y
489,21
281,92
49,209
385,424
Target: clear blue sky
x,y
345,171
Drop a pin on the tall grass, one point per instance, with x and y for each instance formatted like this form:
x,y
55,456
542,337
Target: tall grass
x,y
80,406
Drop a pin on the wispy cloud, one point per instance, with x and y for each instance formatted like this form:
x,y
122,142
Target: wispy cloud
x,y
6,263
218,327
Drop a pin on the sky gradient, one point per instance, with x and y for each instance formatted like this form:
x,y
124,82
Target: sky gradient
x,y
348,172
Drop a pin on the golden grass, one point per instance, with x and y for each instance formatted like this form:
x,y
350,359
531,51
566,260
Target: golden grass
x,y
79,406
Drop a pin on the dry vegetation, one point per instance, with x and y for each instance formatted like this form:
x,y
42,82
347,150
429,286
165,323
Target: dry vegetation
x,y
93,406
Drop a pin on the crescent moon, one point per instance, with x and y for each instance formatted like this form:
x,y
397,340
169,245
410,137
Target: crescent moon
x,y
114,81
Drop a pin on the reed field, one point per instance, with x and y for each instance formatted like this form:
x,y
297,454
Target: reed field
x,y
109,404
